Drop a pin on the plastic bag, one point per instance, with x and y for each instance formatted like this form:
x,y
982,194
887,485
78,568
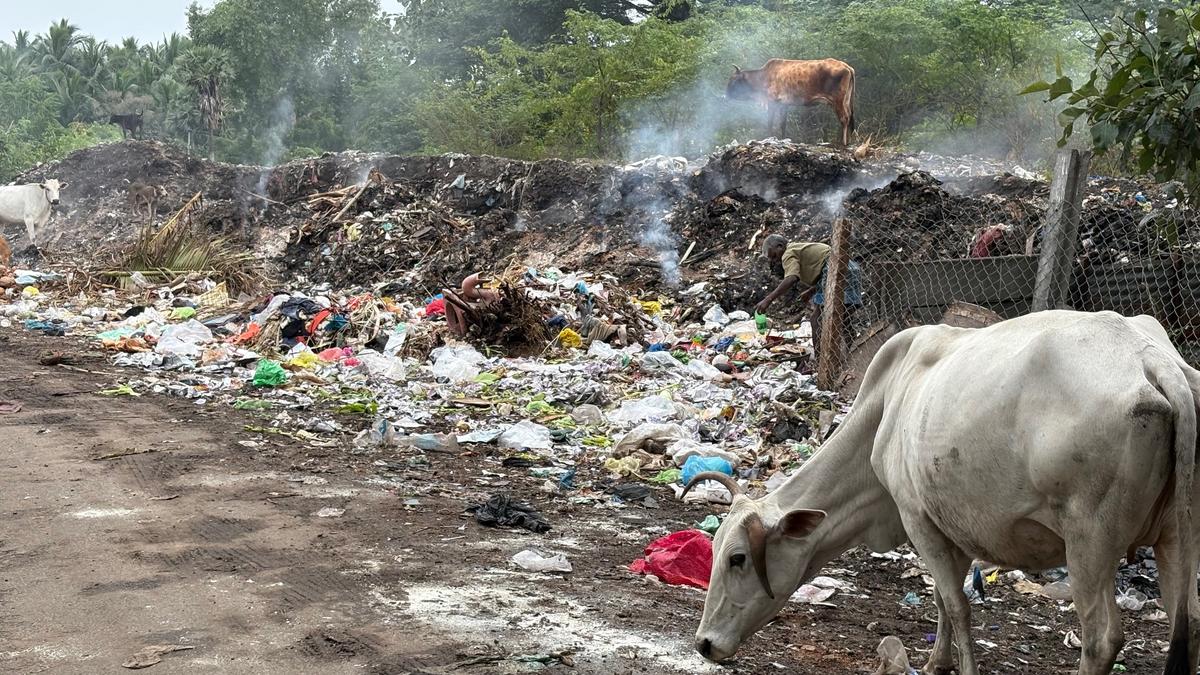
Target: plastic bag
x,y
184,339
382,365
657,362
457,363
715,317
626,466
525,435
601,350
702,370
696,465
893,658
681,558
536,562
656,407
649,436
269,374
682,451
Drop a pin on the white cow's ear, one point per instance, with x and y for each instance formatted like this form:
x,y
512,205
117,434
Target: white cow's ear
x,y
42,185
799,523
63,185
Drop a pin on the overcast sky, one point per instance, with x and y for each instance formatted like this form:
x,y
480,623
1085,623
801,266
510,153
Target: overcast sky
x,y
111,20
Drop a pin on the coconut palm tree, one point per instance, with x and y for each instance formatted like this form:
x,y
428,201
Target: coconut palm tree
x,y
53,50
205,69
74,101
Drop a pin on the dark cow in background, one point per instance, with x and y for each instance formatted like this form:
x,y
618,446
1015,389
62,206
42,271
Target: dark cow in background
x,y
783,83
128,123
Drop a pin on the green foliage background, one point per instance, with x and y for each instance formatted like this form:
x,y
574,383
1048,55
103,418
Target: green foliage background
x,y
266,80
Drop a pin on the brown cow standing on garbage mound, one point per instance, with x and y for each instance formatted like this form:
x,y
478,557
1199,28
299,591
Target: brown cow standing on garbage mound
x,y
783,83
1054,437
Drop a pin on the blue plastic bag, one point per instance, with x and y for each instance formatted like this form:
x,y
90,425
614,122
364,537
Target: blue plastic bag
x,y
697,464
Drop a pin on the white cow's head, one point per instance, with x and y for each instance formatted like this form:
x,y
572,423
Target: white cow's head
x,y
759,560
50,189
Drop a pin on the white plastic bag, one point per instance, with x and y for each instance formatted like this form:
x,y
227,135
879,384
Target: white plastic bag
x,y
525,435
457,363
536,562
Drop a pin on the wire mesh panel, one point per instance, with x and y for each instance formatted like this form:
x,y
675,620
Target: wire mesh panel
x,y
930,256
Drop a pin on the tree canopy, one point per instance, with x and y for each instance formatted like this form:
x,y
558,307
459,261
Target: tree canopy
x,y
265,80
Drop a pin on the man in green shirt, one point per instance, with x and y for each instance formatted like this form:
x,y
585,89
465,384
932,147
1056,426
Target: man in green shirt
x,y
805,263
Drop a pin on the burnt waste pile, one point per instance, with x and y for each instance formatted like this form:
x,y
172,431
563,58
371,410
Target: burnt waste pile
x,y
685,229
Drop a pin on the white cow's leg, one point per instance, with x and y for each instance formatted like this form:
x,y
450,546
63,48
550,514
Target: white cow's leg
x,y
948,565
1170,573
29,232
941,661
1092,563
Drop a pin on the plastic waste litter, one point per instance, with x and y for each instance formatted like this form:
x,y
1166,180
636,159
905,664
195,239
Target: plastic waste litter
x,y
537,562
457,363
1131,600
893,658
625,466
269,374
501,511
601,350
481,436
656,407
715,317
812,595
703,370
430,442
681,558
682,451
696,464
651,437
710,524
382,365
1059,590
657,362
525,435
667,476
588,414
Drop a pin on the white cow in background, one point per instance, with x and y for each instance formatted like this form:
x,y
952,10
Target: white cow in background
x,y
1057,437
29,205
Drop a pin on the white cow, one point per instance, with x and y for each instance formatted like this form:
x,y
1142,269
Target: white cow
x,y
29,205
1058,437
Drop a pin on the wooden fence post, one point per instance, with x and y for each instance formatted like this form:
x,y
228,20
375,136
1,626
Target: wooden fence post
x,y
829,365
1062,229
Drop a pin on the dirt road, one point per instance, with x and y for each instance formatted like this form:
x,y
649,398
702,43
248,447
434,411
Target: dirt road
x,y
137,521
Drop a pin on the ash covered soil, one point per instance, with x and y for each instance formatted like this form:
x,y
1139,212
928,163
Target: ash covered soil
x,y
187,536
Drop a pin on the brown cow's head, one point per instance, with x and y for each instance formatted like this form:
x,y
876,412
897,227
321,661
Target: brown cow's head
x,y
741,85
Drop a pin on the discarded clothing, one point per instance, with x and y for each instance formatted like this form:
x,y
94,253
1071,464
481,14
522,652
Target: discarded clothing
x,y
52,328
681,558
501,511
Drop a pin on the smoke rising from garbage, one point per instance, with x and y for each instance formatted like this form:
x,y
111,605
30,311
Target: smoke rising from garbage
x,y
283,118
658,236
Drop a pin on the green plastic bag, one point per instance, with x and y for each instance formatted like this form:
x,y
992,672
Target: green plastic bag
x,y
709,524
181,313
269,374
667,476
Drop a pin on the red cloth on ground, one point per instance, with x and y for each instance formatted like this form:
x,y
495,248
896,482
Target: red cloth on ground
x,y
436,307
681,558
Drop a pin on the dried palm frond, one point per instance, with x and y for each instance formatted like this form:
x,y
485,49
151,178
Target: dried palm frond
x,y
182,247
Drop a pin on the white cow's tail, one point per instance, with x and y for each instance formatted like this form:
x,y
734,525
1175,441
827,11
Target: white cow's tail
x,y
1175,386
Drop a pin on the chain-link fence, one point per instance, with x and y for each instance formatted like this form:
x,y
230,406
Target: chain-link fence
x,y
929,255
